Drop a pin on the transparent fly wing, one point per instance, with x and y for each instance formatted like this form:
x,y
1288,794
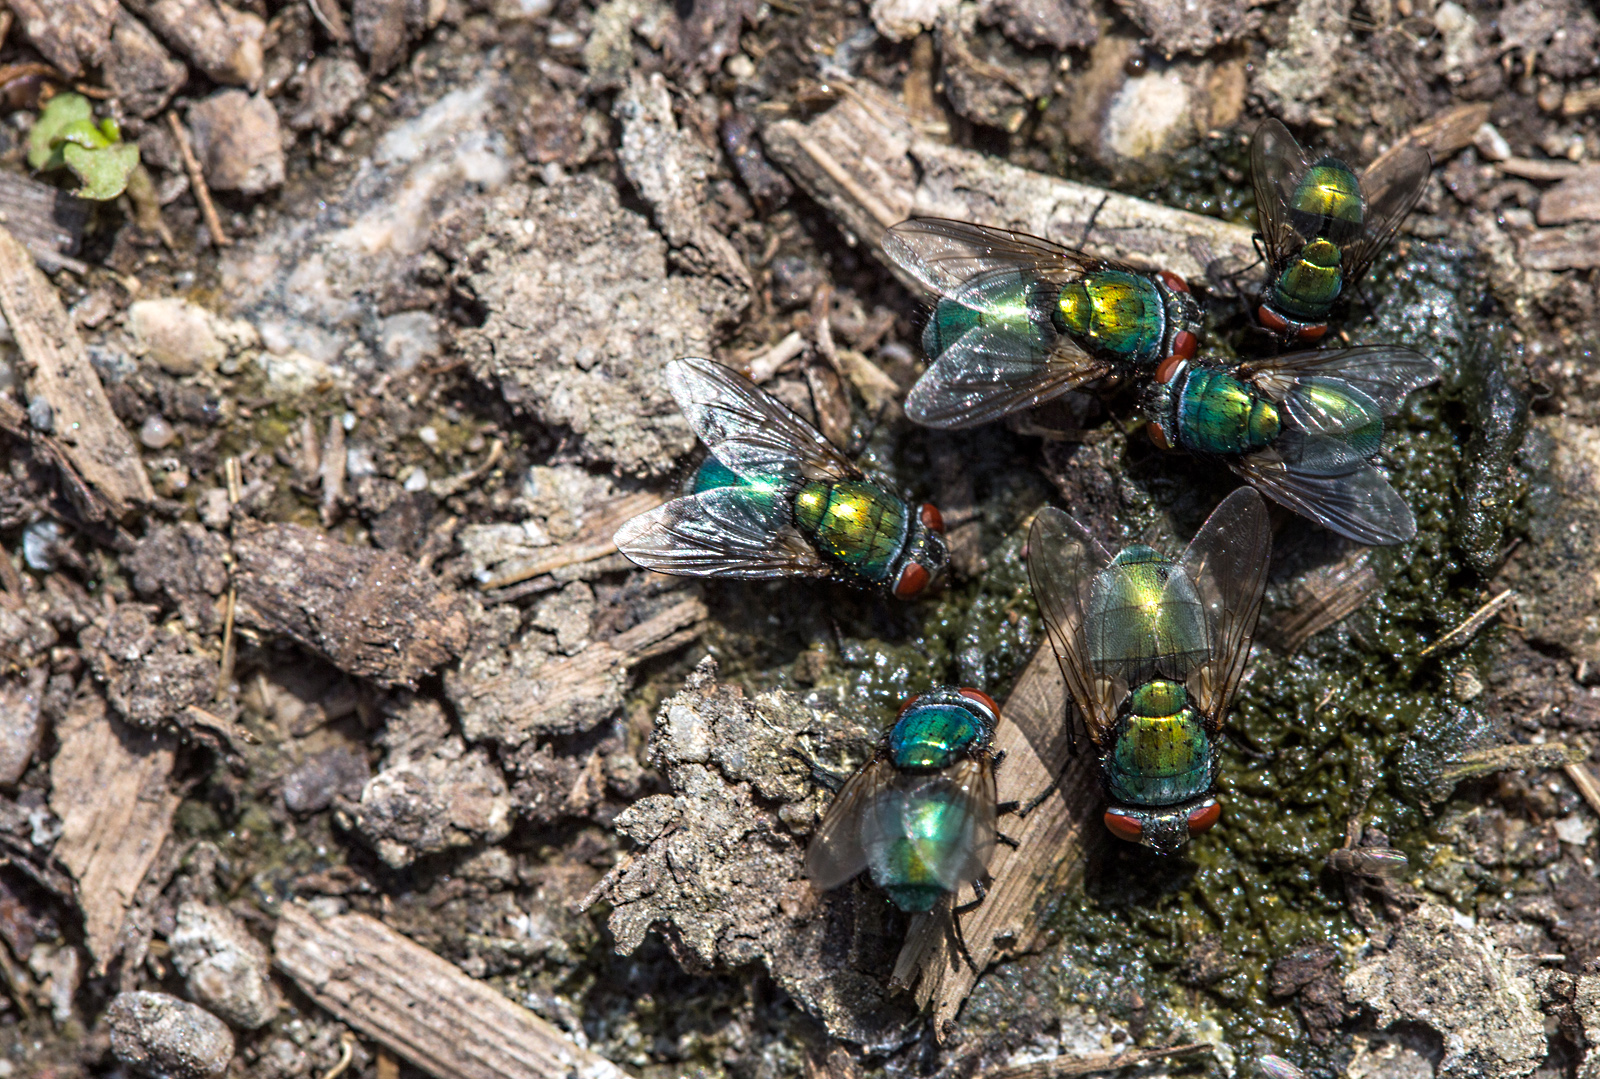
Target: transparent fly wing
x,y
748,429
1383,373
1391,186
1062,562
995,369
1276,165
741,532
835,853
1359,505
937,828
944,254
1227,563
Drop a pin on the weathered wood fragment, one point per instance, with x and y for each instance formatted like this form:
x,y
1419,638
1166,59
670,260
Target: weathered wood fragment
x,y
47,221
71,34
370,613
421,1007
109,786
90,433
1048,860
867,163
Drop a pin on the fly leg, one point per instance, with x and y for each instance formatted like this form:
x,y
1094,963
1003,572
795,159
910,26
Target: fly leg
x,y
1040,800
822,777
1089,225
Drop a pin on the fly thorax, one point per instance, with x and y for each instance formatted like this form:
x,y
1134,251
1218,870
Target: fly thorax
x,y
1310,284
856,524
1115,314
1161,697
933,736
1327,202
1220,414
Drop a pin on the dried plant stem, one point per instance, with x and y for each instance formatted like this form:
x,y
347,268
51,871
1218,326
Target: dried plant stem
x,y
197,178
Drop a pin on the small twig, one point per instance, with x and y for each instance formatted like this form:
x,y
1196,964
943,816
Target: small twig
x,y
347,1040
197,179
1585,781
225,668
1466,629
332,20
332,472
9,575
1059,1068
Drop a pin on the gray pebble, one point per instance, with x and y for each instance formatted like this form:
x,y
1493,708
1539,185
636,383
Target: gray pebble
x,y
226,968
312,787
162,1036
156,433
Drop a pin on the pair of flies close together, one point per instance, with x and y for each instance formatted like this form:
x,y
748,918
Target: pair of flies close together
x,y
1152,649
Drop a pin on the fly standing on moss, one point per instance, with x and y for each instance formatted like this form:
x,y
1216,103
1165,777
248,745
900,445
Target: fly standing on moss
x,y
1321,225
920,816
1302,429
776,499
1021,321
1152,651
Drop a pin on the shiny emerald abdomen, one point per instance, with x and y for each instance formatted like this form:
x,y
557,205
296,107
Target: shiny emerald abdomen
x,y
930,823
1159,760
1311,282
712,474
855,524
1116,314
1141,622
933,736
1217,413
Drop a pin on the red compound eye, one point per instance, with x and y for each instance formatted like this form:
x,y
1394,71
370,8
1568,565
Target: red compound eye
x,y
1183,345
1272,320
1123,826
907,703
984,699
1173,281
913,579
932,518
1204,817
1168,369
1312,333
1157,435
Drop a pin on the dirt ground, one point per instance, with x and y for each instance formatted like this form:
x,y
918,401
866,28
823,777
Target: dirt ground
x,y
336,738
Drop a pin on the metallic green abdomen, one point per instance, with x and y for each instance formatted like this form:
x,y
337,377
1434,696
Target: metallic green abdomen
x,y
856,524
1158,698
1143,621
930,826
712,474
1327,202
932,736
1159,760
1217,413
947,323
1309,285
1114,312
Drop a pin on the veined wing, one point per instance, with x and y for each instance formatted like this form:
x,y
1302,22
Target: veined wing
x,y
748,429
1383,373
835,853
944,255
1390,186
1359,505
1276,165
1062,562
959,849
724,532
1227,563
997,368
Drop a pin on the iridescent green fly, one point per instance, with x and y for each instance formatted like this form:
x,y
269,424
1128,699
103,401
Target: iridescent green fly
x,y
1321,225
1300,428
1152,651
920,816
1021,320
776,499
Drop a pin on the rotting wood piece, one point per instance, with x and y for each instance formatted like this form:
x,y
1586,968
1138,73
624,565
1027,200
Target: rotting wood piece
x,y
1052,841
865,161
81,416
48,221
370,613
109,786
594,541
421,1007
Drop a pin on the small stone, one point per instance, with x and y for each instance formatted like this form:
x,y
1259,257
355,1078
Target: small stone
x,y
238,141
176,334
226,968
328,90
41,416
416,480
161,1036
214,508
312,787
156,433
1491,144
20,726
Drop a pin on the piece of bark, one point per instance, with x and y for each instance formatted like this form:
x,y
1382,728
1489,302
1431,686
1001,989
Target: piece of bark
x,y
139,69
92,437
109,786
71,34
222,41
370,613
1577,198
421,1007
1575,247
20,725
48,221
867,164
1443,134
1048,860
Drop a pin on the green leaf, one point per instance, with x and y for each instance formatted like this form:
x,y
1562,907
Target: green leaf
x,y
83,133
43,141
105,171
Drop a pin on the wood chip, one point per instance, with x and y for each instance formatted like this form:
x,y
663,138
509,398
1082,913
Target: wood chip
x,y
1577,198
1574,247
867,164
47,220
1444,134
89,432
1061,1067
1531,169
109,786
1585,781
1323,599
421,1007
593,541
1052,842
